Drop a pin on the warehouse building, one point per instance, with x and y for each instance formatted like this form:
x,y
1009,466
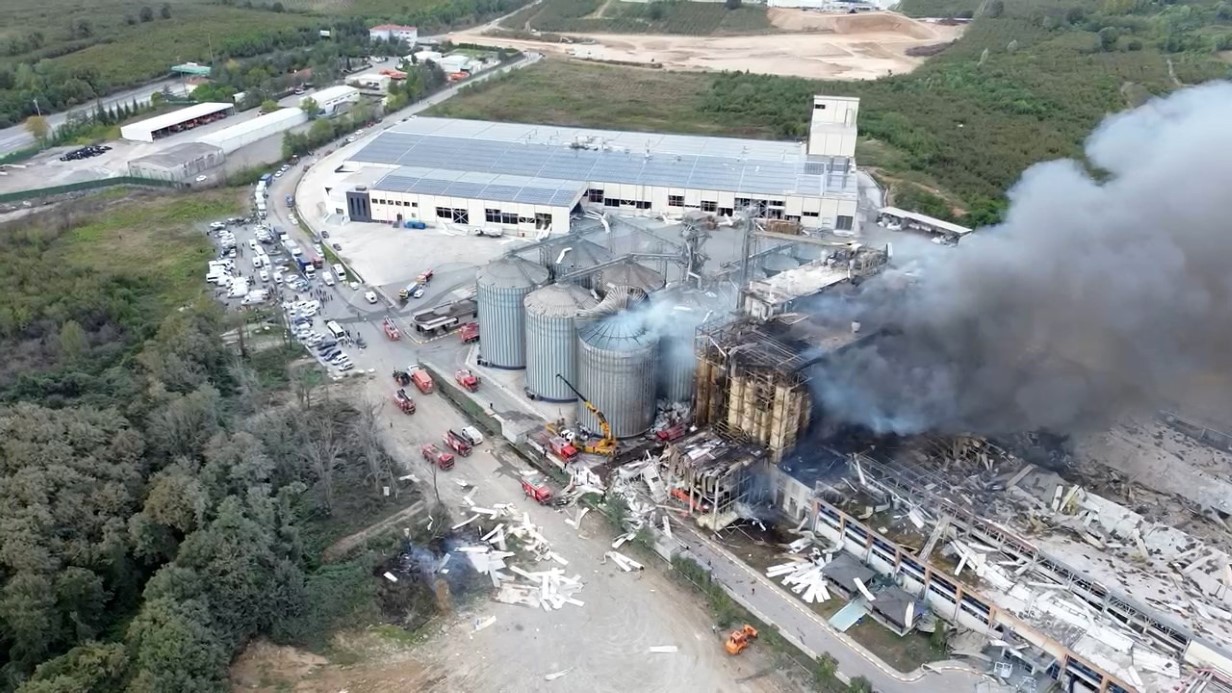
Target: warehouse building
x,y
245,133
180,120
394,32
536,177
335,100
178,163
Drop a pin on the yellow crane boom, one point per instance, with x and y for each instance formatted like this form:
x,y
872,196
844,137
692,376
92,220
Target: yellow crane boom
x,y
607,444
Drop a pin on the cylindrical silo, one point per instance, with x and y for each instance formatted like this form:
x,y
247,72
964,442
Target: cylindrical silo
x,y
551,339
678,314
500,288
616,373
629,274
580,255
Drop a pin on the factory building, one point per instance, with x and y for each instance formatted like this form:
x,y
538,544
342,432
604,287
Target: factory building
x,y
537,178
394,32
245,133
179,163
335,100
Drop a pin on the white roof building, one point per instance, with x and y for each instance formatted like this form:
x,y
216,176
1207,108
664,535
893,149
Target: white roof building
x,y
151,129
394,32
629,172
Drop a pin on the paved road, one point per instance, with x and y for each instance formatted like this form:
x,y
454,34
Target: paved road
x,y
16,137
810,632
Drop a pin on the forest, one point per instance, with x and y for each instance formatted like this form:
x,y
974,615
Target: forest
x,y
166,485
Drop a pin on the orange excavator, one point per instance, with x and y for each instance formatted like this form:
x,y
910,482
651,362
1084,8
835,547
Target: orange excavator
x,y
739,639
606,445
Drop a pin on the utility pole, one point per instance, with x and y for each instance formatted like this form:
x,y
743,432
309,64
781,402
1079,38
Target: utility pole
x,y
37,110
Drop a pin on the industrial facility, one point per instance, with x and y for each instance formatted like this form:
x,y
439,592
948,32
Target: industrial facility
x,y
242,134
538,179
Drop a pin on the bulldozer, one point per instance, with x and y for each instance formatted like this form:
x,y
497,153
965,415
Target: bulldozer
x,y
606,445
739,639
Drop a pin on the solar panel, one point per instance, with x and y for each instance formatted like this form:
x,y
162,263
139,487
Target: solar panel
x,y
675,161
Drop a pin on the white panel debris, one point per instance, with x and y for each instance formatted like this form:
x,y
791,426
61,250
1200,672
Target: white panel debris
x,y
664,649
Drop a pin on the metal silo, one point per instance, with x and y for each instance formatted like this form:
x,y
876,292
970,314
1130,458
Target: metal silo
x,y
500,288
629,274
616,371
551,339
581,255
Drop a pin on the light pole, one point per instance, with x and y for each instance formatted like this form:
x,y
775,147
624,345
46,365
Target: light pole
x,y
37,110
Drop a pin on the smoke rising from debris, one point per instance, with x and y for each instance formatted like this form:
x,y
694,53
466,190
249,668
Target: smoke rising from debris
x,y
1097,295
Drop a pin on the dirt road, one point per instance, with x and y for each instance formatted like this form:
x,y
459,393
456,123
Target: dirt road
x,y
816,46
604,645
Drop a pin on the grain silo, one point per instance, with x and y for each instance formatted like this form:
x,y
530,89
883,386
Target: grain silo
x,y
629,274
581,255
551,339
500,288
676,315
616,371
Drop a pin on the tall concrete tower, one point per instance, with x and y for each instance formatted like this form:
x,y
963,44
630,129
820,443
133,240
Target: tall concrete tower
x,y
832,129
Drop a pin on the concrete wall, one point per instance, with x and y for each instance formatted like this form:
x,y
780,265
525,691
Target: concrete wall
x,y
423,208
814,212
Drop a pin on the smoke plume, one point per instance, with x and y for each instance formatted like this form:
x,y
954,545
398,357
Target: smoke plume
x,y
1100,293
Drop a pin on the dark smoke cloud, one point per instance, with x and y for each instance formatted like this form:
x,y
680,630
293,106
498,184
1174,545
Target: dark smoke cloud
x,y
1098,294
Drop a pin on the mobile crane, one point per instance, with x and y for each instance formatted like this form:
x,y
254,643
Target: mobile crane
x,y
606,445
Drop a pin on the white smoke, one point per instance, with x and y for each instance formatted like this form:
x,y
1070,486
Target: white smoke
x,y
1100,292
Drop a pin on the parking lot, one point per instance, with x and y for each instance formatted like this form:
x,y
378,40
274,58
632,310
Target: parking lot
x,y
257,267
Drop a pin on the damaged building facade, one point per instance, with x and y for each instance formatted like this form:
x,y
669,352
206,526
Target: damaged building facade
x,y
1055,581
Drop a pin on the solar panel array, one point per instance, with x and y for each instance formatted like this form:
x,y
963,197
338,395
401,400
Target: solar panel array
x,y
481,186
583,156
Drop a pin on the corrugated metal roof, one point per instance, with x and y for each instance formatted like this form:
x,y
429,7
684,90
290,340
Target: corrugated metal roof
x,y
481,186
632,275
560,299
622,332
178,155
584,156
285,116
512,272
166,120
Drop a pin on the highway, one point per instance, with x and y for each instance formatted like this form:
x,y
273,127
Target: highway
x,y
16,137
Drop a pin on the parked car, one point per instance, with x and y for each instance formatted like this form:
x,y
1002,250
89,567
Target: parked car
x,y
370,296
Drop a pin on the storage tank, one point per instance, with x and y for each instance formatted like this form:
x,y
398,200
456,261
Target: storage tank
x,y
500,288
616,372
551,339
677,315
630,274
581,255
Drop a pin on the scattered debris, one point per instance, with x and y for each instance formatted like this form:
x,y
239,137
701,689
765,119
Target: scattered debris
x,y
664,649
391,577
553,677
624,562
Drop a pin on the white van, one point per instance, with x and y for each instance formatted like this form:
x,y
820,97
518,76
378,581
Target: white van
x,y
327,278
370,297
340,272
335,329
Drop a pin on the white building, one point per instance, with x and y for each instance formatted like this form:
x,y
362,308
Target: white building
x,y
243,134
394,32
427,165
371,81
333,100
422,57
832,129
187,118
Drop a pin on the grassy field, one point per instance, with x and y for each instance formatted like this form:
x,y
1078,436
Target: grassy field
x,y
567,92
598,16
1024,86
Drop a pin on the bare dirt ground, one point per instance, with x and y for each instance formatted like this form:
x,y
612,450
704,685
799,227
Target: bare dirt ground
x,y
601,646
817,46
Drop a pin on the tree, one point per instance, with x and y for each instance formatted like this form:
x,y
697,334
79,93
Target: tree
x,y
83,29
176,648
165,11
309,105
1108,38
826,667
72,341
995,8
129,19
38,127
732,4
269,106
860,684
277,7
91,666
146,14
655,11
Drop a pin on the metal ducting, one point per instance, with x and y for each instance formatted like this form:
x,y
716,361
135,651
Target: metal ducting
x,y
500,289
616,371
551,339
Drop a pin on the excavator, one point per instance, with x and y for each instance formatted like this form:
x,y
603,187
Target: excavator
x,y
606,445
